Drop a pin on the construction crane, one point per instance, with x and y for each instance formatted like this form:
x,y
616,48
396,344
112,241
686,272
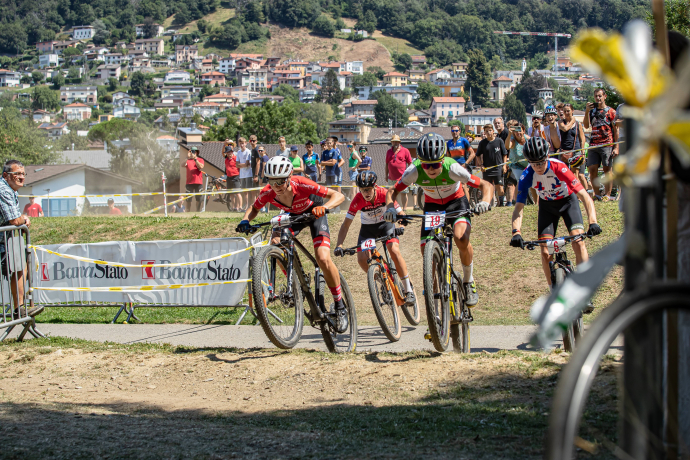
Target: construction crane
x,y
539,34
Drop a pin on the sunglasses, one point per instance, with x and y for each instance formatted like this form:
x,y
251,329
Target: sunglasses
x,y
18,174
261,151
362,151
277,182
454,131
539,164
432,165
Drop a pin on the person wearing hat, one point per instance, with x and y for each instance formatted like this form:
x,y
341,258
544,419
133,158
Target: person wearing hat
x,y
113,210
297,162
233,174
398,158
195,176
312,166
537,129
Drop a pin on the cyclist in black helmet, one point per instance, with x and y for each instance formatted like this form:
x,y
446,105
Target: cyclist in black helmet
x,y
558,191
441,178
371,200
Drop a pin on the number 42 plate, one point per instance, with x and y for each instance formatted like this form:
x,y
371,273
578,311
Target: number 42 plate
x,y
368,244
434,220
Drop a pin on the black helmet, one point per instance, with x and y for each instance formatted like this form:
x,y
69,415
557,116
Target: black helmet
x,y
431,148
366,179
536,149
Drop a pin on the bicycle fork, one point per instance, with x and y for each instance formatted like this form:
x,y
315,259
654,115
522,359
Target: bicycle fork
x,y
387,275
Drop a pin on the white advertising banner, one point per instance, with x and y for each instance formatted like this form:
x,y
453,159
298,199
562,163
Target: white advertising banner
x,y
55,271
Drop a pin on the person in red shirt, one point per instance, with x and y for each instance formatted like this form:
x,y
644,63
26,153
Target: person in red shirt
x,y
33,209
233,174
398,158
113,210
195,177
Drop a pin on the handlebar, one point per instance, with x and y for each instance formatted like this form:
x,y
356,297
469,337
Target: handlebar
x,y
354,250
531,245
299,219
449,215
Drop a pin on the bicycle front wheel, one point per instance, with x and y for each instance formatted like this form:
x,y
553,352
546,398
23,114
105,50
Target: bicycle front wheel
x,y
437,306
412,314
460,336
384,303
347,341
281,314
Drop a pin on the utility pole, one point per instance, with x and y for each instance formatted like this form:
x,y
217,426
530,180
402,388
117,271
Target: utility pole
x,y
540,34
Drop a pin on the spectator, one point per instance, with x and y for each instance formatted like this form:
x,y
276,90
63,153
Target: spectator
x,y
518,163
365,164
602,119
113,210
297,162
12,263
573,138
179,206
264,159
232,173
482,135
322,144
329,159
353,161
620,122
255,167
312,166
283,150
33,209
492,152
339,164
536,125
194,175
501,131
398,158
244,164
551,128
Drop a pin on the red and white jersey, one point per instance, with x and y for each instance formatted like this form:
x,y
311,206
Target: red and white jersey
x,y
303,190
556,183
372,213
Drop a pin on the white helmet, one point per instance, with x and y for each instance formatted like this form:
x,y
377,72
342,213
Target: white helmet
x,y
278,167
538,114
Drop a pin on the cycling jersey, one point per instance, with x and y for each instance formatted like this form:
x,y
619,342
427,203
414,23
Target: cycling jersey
x,y
556,183
458,150
445,188
304,191
371,213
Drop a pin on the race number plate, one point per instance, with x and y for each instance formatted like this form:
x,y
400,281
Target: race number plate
x,y
368,244
556,246
434,220
281,220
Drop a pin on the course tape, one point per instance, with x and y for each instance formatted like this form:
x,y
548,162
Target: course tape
x,y
559,153
161,287
151,211
118,264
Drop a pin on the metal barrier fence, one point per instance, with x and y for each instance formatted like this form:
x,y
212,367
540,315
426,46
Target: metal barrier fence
x,y
18,307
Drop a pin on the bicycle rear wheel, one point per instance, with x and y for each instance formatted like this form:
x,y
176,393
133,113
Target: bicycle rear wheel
x,y
384,303
569,333
412,314
347,341
437,306
281,316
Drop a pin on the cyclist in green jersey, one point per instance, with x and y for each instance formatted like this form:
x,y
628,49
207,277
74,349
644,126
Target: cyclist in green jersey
x,y
441,178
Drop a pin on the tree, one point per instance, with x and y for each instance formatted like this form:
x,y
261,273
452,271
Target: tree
x,y
182,16
22,141
25,80
58,81
586,92
444,52
319,114
101,33
427,91
330,90
378,71
340,24
112,84
202,25
254,13
388,108
44,98
74,72
563,94
254,31
513,109
538,62
139,85
323,26
288,92
37,76
403,62
366,79
478,77
70,52
528,90
13,38
227,37
677,17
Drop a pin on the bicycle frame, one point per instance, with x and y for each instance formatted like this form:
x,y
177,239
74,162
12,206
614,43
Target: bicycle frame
x,y
389,269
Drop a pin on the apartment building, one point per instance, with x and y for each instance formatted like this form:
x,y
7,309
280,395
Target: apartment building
x,y
83,32
152,46
48,60
87,94
139,28
186,53
106,71
77,111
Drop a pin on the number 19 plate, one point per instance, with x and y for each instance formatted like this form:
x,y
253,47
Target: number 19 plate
x,y
434,220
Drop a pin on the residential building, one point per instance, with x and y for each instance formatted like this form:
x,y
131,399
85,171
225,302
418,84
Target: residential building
x,y
115,58
41,116
500,88
224,100
226,65
350,130
203,65
545,93
418,60
422,117
77,111
451,87
45,47
309,93
438,74
459,67
242,93
403,96
117,95
175,77
48,60
255,79
514,75
334,66
83,32
361,108
107,71
415,75
211,78
364,92
259,100
96,54
296,81
185,53
475,120
9,78
60,46
54,130
139,28
182,92
126,111
356,67
153,46
446,107
124,101
207,109
105,118
86,94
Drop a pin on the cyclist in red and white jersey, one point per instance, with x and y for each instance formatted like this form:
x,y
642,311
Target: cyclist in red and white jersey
x,y
371,200
298,195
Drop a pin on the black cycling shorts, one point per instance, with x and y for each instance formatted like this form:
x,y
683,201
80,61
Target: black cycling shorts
x,y
376,231
320,233
495,180
459,204
550,213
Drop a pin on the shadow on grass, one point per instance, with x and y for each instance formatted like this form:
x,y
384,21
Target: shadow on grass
x,y
503,416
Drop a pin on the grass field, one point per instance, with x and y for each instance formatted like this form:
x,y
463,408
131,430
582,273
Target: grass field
x,y
508,280
396,45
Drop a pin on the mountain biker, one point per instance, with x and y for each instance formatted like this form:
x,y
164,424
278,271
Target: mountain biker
x,y
441,177
299,195
371,200
558,191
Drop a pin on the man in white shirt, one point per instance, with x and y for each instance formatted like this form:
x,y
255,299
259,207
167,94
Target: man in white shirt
x,y
244,156
536,127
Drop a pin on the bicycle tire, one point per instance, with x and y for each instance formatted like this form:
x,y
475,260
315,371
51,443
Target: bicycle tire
x,y
287,336
382,299
412,314
437,309
347,341
465,327
568,334
577,377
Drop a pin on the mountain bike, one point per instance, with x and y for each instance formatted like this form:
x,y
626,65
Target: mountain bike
x,y
385,287
280,285
447,314
560,268
218,185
